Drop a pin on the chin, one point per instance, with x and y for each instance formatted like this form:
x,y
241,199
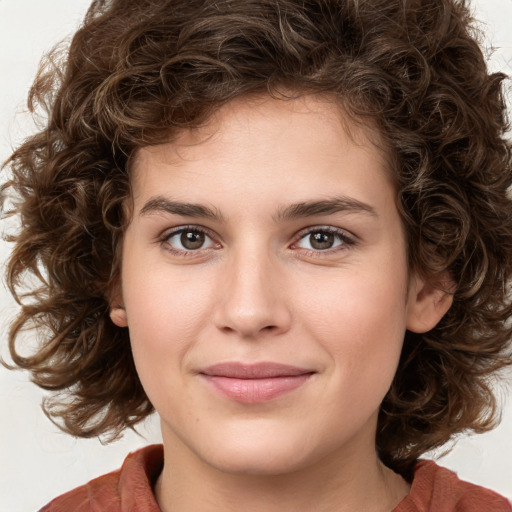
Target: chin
x,y
264,452
256,462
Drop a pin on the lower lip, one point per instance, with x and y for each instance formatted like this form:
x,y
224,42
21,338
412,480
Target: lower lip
x,y
256,391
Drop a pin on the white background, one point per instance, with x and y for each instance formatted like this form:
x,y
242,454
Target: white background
x,y
37,461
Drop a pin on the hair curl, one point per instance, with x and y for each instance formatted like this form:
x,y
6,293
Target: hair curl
x,y
138,71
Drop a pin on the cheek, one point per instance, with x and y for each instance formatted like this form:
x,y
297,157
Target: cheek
x,y
165,312
361,321
357,302
163,324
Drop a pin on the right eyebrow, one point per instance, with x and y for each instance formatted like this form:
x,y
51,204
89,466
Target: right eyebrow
x,y
160,204
325,207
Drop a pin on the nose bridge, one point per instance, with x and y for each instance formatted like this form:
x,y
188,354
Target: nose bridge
x,y
252,293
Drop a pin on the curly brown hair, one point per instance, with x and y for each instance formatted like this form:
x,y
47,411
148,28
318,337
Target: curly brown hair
x,y
139,71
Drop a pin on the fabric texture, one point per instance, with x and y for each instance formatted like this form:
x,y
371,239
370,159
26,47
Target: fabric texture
x,y
437,489
130,489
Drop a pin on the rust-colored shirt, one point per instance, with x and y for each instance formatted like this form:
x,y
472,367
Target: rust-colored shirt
x,y
130,489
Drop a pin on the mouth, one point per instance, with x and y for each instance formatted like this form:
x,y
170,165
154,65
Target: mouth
x,y
254,383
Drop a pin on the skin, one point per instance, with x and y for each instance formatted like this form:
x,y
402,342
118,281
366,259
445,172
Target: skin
x,y
257,287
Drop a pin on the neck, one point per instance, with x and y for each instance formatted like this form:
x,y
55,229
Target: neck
x,y
188,484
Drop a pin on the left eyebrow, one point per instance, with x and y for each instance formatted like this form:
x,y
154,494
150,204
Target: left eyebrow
x,y
324,207
161,204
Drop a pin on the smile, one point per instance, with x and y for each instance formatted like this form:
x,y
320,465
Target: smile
x,y
256,383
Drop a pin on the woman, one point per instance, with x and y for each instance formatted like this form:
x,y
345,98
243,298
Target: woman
x,y
283,225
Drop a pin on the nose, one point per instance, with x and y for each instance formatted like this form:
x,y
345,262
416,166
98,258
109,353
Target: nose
x,y
253,299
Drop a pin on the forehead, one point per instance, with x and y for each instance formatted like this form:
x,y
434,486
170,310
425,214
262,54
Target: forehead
x,y
257,156
294,122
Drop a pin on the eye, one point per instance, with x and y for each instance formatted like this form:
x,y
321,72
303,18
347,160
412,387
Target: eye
x,y
323,239
188,239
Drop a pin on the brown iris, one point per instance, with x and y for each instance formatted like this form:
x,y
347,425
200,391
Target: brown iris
x,y
192,240
321,240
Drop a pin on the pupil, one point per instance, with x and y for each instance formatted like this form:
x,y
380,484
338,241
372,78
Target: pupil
x,y
192,239
322,240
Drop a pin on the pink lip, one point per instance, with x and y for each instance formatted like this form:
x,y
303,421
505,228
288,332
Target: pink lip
x,y
255,383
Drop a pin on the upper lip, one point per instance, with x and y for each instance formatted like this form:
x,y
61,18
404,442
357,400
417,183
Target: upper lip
x,y
237,370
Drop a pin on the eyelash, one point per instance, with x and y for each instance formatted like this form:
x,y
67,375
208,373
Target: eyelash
x,y
164,241
344,239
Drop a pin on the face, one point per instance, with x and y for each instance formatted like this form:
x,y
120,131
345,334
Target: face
x,y
265,286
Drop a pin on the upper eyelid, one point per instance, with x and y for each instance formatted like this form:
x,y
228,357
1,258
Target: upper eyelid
x,y
163,240
191,227
331,229
308,229
348,241
344,233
